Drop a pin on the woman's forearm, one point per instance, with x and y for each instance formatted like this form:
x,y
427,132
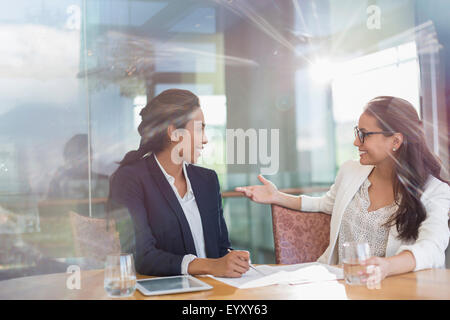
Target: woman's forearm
x,y
288,201
401,263
233,265
201,266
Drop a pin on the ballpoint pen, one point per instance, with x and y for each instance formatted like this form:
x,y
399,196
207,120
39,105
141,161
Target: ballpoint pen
x,y
250,265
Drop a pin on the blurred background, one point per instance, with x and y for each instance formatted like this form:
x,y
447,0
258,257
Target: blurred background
x,y
74,75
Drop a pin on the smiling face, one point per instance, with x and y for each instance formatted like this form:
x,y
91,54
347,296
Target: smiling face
x,y
187,143
377,148
196,128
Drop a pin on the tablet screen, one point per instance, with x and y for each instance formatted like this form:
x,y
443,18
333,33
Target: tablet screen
x,y
171,283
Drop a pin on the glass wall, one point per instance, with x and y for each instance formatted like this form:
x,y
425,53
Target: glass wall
x,y
75,74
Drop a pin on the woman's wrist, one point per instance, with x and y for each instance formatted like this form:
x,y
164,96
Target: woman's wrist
x,y
388,271
287,200
278,198
201,266
400,263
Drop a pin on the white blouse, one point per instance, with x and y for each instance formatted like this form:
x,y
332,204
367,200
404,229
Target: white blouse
x,y
190,209
360,225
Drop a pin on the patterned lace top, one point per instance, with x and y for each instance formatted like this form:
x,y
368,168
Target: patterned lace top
x,y
358,224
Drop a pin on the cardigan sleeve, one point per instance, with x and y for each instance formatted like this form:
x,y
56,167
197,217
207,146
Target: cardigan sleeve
x,y
325,203
429,248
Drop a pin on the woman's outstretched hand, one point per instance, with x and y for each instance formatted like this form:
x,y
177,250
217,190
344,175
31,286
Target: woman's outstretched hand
x,y
266,193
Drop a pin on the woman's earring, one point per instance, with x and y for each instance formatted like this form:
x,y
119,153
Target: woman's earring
x,y
393,149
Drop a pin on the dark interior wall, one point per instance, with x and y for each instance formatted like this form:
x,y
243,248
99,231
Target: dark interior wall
x,y
262,96
437,11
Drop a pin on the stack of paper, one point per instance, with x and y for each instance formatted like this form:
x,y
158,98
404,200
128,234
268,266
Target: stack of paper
x,y
288,274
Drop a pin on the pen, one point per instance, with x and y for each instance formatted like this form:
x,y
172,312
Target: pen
x,y
250,265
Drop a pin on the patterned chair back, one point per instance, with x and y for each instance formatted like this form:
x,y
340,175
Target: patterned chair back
x,y
299,237
92,240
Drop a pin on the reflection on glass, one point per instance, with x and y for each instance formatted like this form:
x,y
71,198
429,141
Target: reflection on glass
x,y
74,74
72,180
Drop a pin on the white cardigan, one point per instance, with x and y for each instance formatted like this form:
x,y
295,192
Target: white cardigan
x,y
428,249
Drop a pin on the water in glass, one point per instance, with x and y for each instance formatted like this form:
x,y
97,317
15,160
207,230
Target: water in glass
x,y
354,254
120,275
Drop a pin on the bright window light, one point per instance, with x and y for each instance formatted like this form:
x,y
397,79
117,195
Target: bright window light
x,y
391,72
323,70
214,109
139,102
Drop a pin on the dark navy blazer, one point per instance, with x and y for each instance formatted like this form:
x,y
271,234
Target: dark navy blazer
x,y
162,233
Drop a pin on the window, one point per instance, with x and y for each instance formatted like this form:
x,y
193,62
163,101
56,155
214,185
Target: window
x,y
389,72
74,76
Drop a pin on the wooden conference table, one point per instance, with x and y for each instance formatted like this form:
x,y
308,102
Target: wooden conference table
x,y
425,284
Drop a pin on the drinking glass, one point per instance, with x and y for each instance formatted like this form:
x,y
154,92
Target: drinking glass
x,y
354,254
120,275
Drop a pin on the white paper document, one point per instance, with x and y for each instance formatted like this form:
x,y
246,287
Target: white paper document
x,y
288,274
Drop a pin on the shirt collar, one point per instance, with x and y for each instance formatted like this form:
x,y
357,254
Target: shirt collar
x,y
171,179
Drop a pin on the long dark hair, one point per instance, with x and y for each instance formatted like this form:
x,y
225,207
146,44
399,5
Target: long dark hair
x,y
173,106
414,162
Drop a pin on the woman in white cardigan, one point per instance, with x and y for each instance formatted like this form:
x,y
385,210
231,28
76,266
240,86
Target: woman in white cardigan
x,y
393,198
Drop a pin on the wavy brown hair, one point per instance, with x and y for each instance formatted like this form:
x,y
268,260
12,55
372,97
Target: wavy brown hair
x,y
173,106
414,162
170,107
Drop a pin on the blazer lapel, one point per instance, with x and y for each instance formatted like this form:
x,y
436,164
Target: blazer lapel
x,y
393,243
172,200
351,187
202,192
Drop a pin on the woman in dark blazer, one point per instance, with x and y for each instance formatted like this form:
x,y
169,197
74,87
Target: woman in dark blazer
x,y
176,206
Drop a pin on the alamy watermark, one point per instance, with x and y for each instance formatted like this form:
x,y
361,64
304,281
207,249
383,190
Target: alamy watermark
x,y
236,147
374,18
74,280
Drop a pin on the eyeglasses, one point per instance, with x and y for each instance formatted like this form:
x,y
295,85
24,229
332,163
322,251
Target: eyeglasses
x,y
361,134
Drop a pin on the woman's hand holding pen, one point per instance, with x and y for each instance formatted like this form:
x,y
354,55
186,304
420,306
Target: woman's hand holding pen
x,y
232,265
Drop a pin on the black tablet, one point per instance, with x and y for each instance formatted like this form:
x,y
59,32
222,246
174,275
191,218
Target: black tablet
x,y
168,285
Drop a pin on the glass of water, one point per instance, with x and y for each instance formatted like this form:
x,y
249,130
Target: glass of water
x,y
354,254
120,275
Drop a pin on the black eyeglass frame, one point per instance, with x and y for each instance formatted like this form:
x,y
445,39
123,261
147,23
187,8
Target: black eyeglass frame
x,y
362,135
